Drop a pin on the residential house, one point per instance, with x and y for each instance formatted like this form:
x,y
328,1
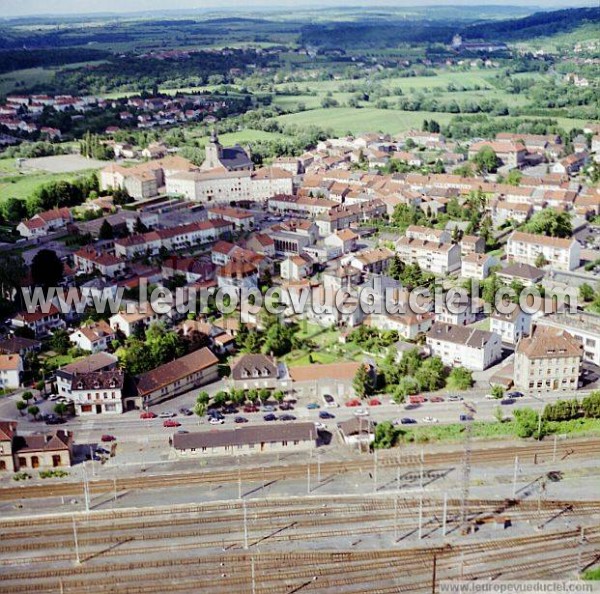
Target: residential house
x,y
98,392
93,337
39,322
511,326
477,266
89,260
39,225
409,325
11,371
255,371
459,346
296,267
93,363
524,274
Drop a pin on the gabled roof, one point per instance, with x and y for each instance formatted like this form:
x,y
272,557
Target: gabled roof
x,y
246,364
178,369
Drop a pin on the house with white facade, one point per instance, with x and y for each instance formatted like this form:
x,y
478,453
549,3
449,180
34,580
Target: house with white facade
x,y
477,266
460,346
511,326
11,371
98,392
93,337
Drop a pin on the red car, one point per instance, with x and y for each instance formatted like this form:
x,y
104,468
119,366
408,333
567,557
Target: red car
x,y
416,399
250,408
374,402
147,415
171,423
107,437
353,402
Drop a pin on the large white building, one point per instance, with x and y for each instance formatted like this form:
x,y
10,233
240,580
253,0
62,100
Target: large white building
x,y
561,254
548,361
459,346
439,258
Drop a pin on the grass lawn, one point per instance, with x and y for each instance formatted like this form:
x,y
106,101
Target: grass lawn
x,y
329,349
22,184
493,430
344,120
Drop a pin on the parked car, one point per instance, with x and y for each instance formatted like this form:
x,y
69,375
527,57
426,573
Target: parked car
x,y
167,414
507,401
430,420
361,412
216,421
454,398
250,408
270,417
330,401
490,397
325,414
171,423
107,437
287,418
312,406
374,402
268,408
416,399
55,421
54,397
406,421
353,402
436,399
215,414
229,410
186,412
515,395
465,418
240,420
147,414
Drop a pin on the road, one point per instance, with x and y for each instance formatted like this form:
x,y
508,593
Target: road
x,y
128,427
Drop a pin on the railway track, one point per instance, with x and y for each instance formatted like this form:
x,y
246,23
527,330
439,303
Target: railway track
x,y
323,571
540,451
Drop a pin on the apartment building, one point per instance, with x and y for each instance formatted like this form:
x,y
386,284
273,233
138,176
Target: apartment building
x,y
560,254
438,258
583,326
459,346
548,361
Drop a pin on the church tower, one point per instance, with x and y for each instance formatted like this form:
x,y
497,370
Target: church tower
x,y
213,152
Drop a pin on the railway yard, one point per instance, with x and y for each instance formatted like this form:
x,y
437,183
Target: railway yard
x,y
395,522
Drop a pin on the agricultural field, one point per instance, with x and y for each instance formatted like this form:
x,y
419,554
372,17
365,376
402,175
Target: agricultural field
x,y
344,120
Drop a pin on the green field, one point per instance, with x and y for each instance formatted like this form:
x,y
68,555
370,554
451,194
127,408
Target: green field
x,y
19,81
242,137
343,120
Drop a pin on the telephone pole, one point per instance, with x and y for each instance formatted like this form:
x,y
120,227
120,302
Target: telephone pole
x,y
466,468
